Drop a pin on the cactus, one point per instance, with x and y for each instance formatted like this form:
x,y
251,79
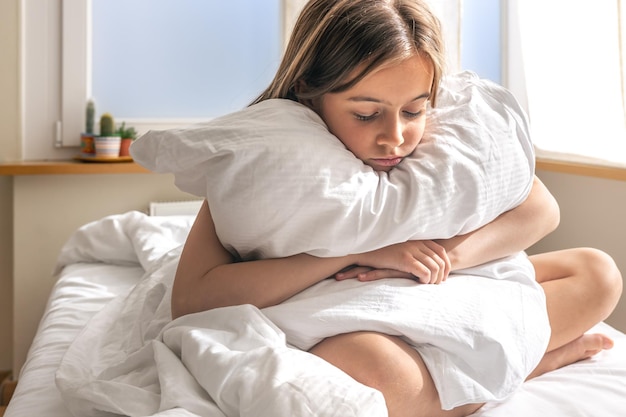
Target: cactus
x,y
127,132
89,120
107,125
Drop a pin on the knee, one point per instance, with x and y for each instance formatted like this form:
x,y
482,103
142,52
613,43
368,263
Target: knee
x,y
373,359
393,373
387,364
604,276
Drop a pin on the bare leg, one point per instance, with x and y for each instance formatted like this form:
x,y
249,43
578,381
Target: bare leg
x,y
391,366
582,288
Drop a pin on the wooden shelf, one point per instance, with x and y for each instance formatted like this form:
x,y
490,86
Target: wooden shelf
x,y
64,167
78,167
579,168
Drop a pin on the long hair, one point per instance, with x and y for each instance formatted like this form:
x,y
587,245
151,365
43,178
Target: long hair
x,y
333,38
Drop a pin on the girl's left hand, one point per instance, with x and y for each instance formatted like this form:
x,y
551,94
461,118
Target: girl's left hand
x,y
422,260
365,273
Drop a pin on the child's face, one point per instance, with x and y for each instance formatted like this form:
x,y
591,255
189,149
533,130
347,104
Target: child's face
x,y
382,118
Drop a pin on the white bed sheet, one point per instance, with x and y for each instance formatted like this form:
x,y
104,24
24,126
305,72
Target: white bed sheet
x,y
81,291
595,387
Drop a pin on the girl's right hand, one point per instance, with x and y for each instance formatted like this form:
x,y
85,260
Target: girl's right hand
x,y
423,260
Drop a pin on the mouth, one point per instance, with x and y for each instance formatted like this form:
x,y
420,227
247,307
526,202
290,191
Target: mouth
x,y
387,162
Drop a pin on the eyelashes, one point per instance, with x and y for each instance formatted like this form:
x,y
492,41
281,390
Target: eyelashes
x,y
365,118
373,116
412,115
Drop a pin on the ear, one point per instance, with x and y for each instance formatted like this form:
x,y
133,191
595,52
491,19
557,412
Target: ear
x,y
300,88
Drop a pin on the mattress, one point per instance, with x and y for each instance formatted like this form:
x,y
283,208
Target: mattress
x,y
594,387
81,291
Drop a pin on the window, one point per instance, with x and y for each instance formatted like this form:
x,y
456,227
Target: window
x,y
175,62
132,55
566,64
152,63
482,40
163,59
156,62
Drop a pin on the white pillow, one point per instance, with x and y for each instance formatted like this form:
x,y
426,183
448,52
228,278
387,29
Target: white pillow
x,y
278,183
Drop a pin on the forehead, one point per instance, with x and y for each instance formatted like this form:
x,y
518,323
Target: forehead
x,y
412,77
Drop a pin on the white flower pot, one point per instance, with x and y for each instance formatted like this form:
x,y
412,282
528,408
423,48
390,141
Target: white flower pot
x,y
107,146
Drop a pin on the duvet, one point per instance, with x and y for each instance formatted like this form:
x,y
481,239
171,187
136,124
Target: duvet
x,y
478,333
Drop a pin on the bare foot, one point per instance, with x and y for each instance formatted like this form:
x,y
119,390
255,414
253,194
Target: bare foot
x,y
579,349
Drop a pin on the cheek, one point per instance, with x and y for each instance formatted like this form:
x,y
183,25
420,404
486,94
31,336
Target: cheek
x,y
352,136
415,132
333,122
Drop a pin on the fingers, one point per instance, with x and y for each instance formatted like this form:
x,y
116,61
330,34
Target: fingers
x,y
375,274
363,273
426,261
430,263
352,273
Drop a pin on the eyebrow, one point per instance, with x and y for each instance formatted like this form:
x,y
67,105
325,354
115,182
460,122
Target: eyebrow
x,y
375,100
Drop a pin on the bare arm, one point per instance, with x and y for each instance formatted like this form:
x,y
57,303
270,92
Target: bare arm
x,y
208,276
511,232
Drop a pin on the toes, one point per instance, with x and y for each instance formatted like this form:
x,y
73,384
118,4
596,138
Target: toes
x,y
607,343
596,342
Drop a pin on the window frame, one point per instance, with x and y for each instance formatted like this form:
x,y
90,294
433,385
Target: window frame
x,y
75,70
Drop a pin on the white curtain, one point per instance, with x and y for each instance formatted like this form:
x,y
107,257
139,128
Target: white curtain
x,y
571,59
291,9
450,13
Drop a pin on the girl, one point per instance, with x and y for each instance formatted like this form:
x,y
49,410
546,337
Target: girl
x,y
369,68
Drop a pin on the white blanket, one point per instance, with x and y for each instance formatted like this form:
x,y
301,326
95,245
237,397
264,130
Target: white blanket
x,y
480,333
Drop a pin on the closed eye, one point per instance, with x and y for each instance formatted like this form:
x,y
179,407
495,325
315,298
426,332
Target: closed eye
x,y
365,118
412,115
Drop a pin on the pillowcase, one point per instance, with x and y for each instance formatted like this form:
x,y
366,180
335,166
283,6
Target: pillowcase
x,y
279,183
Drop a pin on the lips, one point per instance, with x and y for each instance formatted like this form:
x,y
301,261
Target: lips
x,y
388,162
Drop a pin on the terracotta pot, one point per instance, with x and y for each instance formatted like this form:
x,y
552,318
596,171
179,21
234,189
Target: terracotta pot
x,y
125,146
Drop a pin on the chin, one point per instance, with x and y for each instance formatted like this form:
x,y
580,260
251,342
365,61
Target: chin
x,y
381,169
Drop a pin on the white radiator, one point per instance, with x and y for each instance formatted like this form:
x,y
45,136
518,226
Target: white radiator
x,y
174,208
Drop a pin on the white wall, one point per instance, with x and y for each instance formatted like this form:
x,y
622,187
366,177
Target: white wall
x,y
48,208
592,214
9,150
6,273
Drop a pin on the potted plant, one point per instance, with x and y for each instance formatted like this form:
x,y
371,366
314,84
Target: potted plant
x,y
108,143
87,147
128,135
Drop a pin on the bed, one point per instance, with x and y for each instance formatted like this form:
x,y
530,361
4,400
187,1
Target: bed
x,y
106,259
115,349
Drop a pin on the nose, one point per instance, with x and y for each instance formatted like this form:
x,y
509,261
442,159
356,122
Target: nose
x,y
392,133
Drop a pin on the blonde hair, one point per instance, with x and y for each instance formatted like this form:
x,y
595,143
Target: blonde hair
x,y
333,38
